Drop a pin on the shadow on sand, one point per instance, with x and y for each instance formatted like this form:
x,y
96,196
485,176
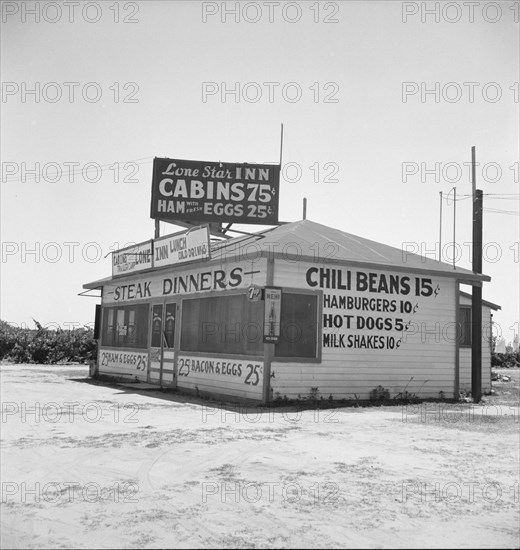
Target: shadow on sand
x,y
179,397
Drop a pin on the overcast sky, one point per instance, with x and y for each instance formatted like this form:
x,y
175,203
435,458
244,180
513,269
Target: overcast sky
x,y
380,101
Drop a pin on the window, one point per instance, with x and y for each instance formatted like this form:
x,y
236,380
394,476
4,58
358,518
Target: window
x,y
299,326
169,325
223,324
234,324
125,326
465,326
157,312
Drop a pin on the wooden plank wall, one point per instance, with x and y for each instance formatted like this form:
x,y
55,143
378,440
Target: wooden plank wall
x,y
426,352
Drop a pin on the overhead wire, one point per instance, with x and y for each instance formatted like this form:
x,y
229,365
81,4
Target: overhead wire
x,y
499,211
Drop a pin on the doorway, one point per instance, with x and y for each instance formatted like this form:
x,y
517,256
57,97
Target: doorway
x,y
162,344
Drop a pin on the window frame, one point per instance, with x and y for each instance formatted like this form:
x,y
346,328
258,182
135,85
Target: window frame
x,y
319,331
261,356
219,294
463,343
111,339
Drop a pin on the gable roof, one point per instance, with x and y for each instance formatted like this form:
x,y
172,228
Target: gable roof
x,y
311,241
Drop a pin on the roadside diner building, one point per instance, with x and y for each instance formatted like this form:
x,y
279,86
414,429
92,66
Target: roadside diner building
x,y
298,309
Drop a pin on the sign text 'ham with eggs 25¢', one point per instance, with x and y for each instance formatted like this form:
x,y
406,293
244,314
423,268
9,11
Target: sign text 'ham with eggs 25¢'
x,y
215,191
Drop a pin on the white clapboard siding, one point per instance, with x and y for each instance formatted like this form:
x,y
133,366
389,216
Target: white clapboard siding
x,y
154,376
465,370
232,389
427,353
167,376
168,366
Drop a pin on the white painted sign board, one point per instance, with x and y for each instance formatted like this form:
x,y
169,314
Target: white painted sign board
x,y
132,259
181,248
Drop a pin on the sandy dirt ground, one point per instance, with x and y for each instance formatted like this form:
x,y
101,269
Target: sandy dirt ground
x,y
87,465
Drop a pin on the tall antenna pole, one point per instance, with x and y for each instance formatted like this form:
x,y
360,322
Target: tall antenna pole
x,y
281,142
440,227
454,221
304,208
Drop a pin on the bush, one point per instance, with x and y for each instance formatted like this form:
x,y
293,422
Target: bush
x,y
506,360
46,346
7,339
379,394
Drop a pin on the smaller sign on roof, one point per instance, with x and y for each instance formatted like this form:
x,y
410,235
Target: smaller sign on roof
x,y
180,248
132,258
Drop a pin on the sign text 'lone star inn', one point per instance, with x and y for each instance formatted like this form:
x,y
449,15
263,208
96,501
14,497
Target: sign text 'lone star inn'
x,y
212,191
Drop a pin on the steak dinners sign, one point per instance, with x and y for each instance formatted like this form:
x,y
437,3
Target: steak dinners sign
x,y
212,191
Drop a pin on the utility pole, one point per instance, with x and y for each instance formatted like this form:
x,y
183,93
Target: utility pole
x,y
476,294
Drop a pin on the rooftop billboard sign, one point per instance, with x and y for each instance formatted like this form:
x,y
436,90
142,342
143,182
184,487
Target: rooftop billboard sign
x,y
215,191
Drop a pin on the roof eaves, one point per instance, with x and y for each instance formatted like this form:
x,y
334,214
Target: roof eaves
x,y
459,274
491,305
97,284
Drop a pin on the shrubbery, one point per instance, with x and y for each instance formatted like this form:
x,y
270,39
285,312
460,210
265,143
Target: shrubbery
x,y
506,360
22,345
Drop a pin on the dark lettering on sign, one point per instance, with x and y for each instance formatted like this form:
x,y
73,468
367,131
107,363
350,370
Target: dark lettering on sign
x,y
117,359
184,367
336,321
339,279
205,281
381,283
133,291
235,276
218,368
423,287
334,340
346,281
360,304
325,277
202,281
252,370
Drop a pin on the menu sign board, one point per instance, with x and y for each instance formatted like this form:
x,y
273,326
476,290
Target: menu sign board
x,y
215,191
180,248
132,259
